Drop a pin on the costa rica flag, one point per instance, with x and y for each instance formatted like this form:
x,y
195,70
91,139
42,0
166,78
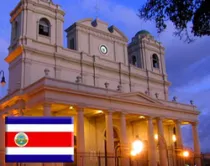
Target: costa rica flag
x,y
39,139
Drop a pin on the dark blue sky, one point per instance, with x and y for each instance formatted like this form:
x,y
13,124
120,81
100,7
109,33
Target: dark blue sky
x,y
187,64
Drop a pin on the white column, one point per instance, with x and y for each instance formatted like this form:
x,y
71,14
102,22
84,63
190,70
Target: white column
x,y
47,109
162,144
2,141
109,138
151,143
124,141
123,129
178,134
197,151
80,137
47,112
179,143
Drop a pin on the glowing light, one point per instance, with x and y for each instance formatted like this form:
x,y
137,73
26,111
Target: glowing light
x,y
137,146
133,153
99,111
142,117
71,107
174,138
15,113
3,83
156,136
186,154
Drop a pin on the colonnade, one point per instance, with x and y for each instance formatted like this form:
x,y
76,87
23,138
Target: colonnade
x,y
163,159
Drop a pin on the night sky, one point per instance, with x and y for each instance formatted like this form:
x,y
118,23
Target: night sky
x,y
187,64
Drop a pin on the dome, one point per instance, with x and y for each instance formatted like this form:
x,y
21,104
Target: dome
x,y
142,32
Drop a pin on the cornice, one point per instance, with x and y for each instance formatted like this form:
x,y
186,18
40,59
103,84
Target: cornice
x,y
25,6
16,8
16,13
14,54
43,86
52,7
110,98
153,43
52,16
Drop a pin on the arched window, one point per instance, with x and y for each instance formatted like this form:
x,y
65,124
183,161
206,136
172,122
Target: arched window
x,y
155,61
116,143
44,27
133,60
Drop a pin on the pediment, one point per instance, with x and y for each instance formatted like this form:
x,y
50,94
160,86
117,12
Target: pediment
x,y
103,26
139,97
117,32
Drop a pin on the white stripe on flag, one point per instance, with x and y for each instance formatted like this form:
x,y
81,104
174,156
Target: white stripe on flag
x,y
39,151
39,128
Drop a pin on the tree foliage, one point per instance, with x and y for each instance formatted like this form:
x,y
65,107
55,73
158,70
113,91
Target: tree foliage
x,y
186,15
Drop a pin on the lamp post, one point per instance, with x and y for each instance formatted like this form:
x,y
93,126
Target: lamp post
x,y
137,147
185,155
3,82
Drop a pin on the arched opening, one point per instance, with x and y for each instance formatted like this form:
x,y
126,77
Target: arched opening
x,y
133,60
155,61
116,143
44,27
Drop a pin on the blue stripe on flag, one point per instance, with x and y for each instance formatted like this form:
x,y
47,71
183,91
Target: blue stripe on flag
x,y
39,120
39,158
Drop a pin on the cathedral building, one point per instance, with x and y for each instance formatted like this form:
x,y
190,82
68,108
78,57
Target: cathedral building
x,y
117,91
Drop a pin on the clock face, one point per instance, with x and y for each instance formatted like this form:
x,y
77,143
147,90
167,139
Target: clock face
x,y
103,49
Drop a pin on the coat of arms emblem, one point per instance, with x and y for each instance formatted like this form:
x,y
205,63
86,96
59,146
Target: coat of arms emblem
x,y
21,139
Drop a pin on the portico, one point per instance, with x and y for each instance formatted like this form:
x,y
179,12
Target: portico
x,y
99,111
116,90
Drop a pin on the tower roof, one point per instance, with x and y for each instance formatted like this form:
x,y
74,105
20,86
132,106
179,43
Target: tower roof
x,y
142,32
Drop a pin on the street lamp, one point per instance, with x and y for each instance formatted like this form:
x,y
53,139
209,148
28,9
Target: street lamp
x,y
136,149
174,138
185,155
137,146
3,82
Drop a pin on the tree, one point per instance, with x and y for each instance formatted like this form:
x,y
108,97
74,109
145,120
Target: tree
x,y
193,15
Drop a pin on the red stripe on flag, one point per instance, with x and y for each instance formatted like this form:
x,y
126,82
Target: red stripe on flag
x,y
43,139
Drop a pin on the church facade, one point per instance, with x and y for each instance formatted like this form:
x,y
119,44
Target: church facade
x,y
116,92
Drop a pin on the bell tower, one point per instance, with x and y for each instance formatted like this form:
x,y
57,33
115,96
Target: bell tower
x,y
148,54
36,25
36,20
